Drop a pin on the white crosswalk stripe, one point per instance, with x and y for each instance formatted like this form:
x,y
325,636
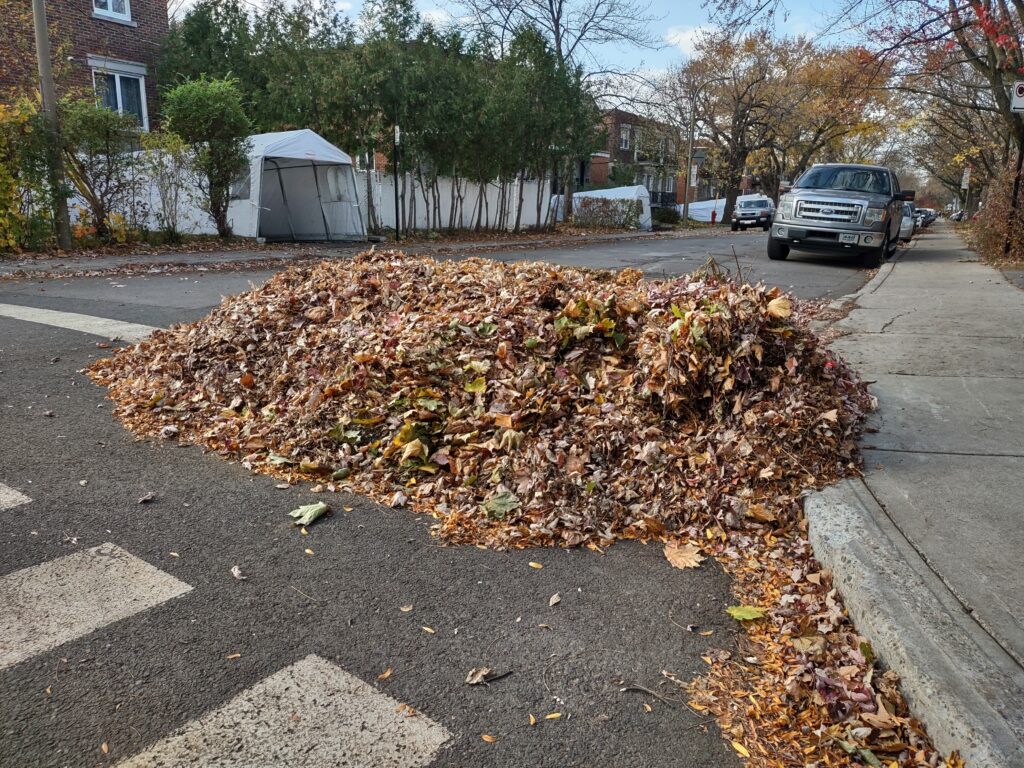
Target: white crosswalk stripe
x,y
97,326
312,714
10,498
46,605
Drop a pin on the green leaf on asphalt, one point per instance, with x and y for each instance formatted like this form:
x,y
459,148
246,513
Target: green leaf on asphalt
x,y
745,612
500,504
306,514
478,384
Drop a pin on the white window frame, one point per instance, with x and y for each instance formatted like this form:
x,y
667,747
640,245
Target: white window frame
x,y
111,14
623,136
102,65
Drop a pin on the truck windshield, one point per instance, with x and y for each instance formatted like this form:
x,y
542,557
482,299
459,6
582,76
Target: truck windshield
x,y
846,178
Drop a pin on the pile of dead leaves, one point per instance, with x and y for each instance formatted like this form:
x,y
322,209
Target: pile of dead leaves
x,y
519,404
528,404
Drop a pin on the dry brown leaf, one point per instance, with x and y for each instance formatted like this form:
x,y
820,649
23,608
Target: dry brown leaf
x,y
780,307
478,675
233,656
105,748
683,555
429,630
488,738
405,608
385,674
536,565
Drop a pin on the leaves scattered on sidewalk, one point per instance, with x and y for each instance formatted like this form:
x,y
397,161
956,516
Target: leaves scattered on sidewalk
x,y
803,687
526,404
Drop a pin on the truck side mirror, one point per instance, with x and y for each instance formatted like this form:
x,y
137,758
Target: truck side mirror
x,y
907,195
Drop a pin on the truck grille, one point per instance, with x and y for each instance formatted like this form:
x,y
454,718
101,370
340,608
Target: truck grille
x,y
841,212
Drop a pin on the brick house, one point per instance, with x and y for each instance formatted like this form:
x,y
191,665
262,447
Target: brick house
x,y
108,47
647,148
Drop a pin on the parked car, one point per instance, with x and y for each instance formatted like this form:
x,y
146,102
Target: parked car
x,y
753,213
909,225
840,207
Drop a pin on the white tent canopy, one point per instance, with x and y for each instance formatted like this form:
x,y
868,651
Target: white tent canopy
x,y
616,193
299,187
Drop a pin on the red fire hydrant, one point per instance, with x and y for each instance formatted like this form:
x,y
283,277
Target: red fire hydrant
x,y
714,216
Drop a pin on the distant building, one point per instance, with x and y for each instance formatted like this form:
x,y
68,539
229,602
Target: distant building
x,y
108,47
639,151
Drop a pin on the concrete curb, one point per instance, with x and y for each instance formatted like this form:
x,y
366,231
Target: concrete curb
x,y
958,681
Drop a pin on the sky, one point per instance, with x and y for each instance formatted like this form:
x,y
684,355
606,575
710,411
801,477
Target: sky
x,y
679,24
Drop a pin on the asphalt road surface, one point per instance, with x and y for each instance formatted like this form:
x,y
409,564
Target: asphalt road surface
x,y
745,253
126,640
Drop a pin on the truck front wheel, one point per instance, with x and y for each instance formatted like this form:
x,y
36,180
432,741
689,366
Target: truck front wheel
x,y
777,251
873,258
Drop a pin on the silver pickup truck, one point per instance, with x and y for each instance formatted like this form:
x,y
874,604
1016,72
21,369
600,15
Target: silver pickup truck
x,y
836,208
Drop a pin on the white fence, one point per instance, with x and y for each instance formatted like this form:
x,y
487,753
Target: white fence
x,y
456,204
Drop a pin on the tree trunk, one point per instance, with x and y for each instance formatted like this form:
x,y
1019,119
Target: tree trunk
x,y
569,181
519,204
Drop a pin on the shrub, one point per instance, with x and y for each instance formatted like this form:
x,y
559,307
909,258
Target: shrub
x,y
665,215
209,116
996,221
25,219
165,162
100,160
606,212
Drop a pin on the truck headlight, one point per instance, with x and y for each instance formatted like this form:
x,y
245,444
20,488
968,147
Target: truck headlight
x,y
874,215
786,207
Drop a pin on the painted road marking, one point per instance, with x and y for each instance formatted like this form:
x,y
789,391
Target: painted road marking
x,y
10,498
312,714
46,605
97,326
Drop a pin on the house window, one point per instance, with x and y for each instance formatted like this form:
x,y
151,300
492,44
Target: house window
x,y
123,91
624,137
117,9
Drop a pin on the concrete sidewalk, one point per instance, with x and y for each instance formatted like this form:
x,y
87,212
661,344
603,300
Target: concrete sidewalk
x,y
927,549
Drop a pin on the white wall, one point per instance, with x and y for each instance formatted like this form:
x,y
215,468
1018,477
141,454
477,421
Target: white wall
x,y
193,220
383,190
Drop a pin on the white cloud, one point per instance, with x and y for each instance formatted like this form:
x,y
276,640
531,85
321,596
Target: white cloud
x,y
439,17
686,38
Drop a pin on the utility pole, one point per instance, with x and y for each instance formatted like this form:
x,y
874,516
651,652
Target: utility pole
x,y
689,159
56,163
398,213
689,142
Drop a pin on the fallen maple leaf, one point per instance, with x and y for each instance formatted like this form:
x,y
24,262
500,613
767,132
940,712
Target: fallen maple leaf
x,y
683,555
